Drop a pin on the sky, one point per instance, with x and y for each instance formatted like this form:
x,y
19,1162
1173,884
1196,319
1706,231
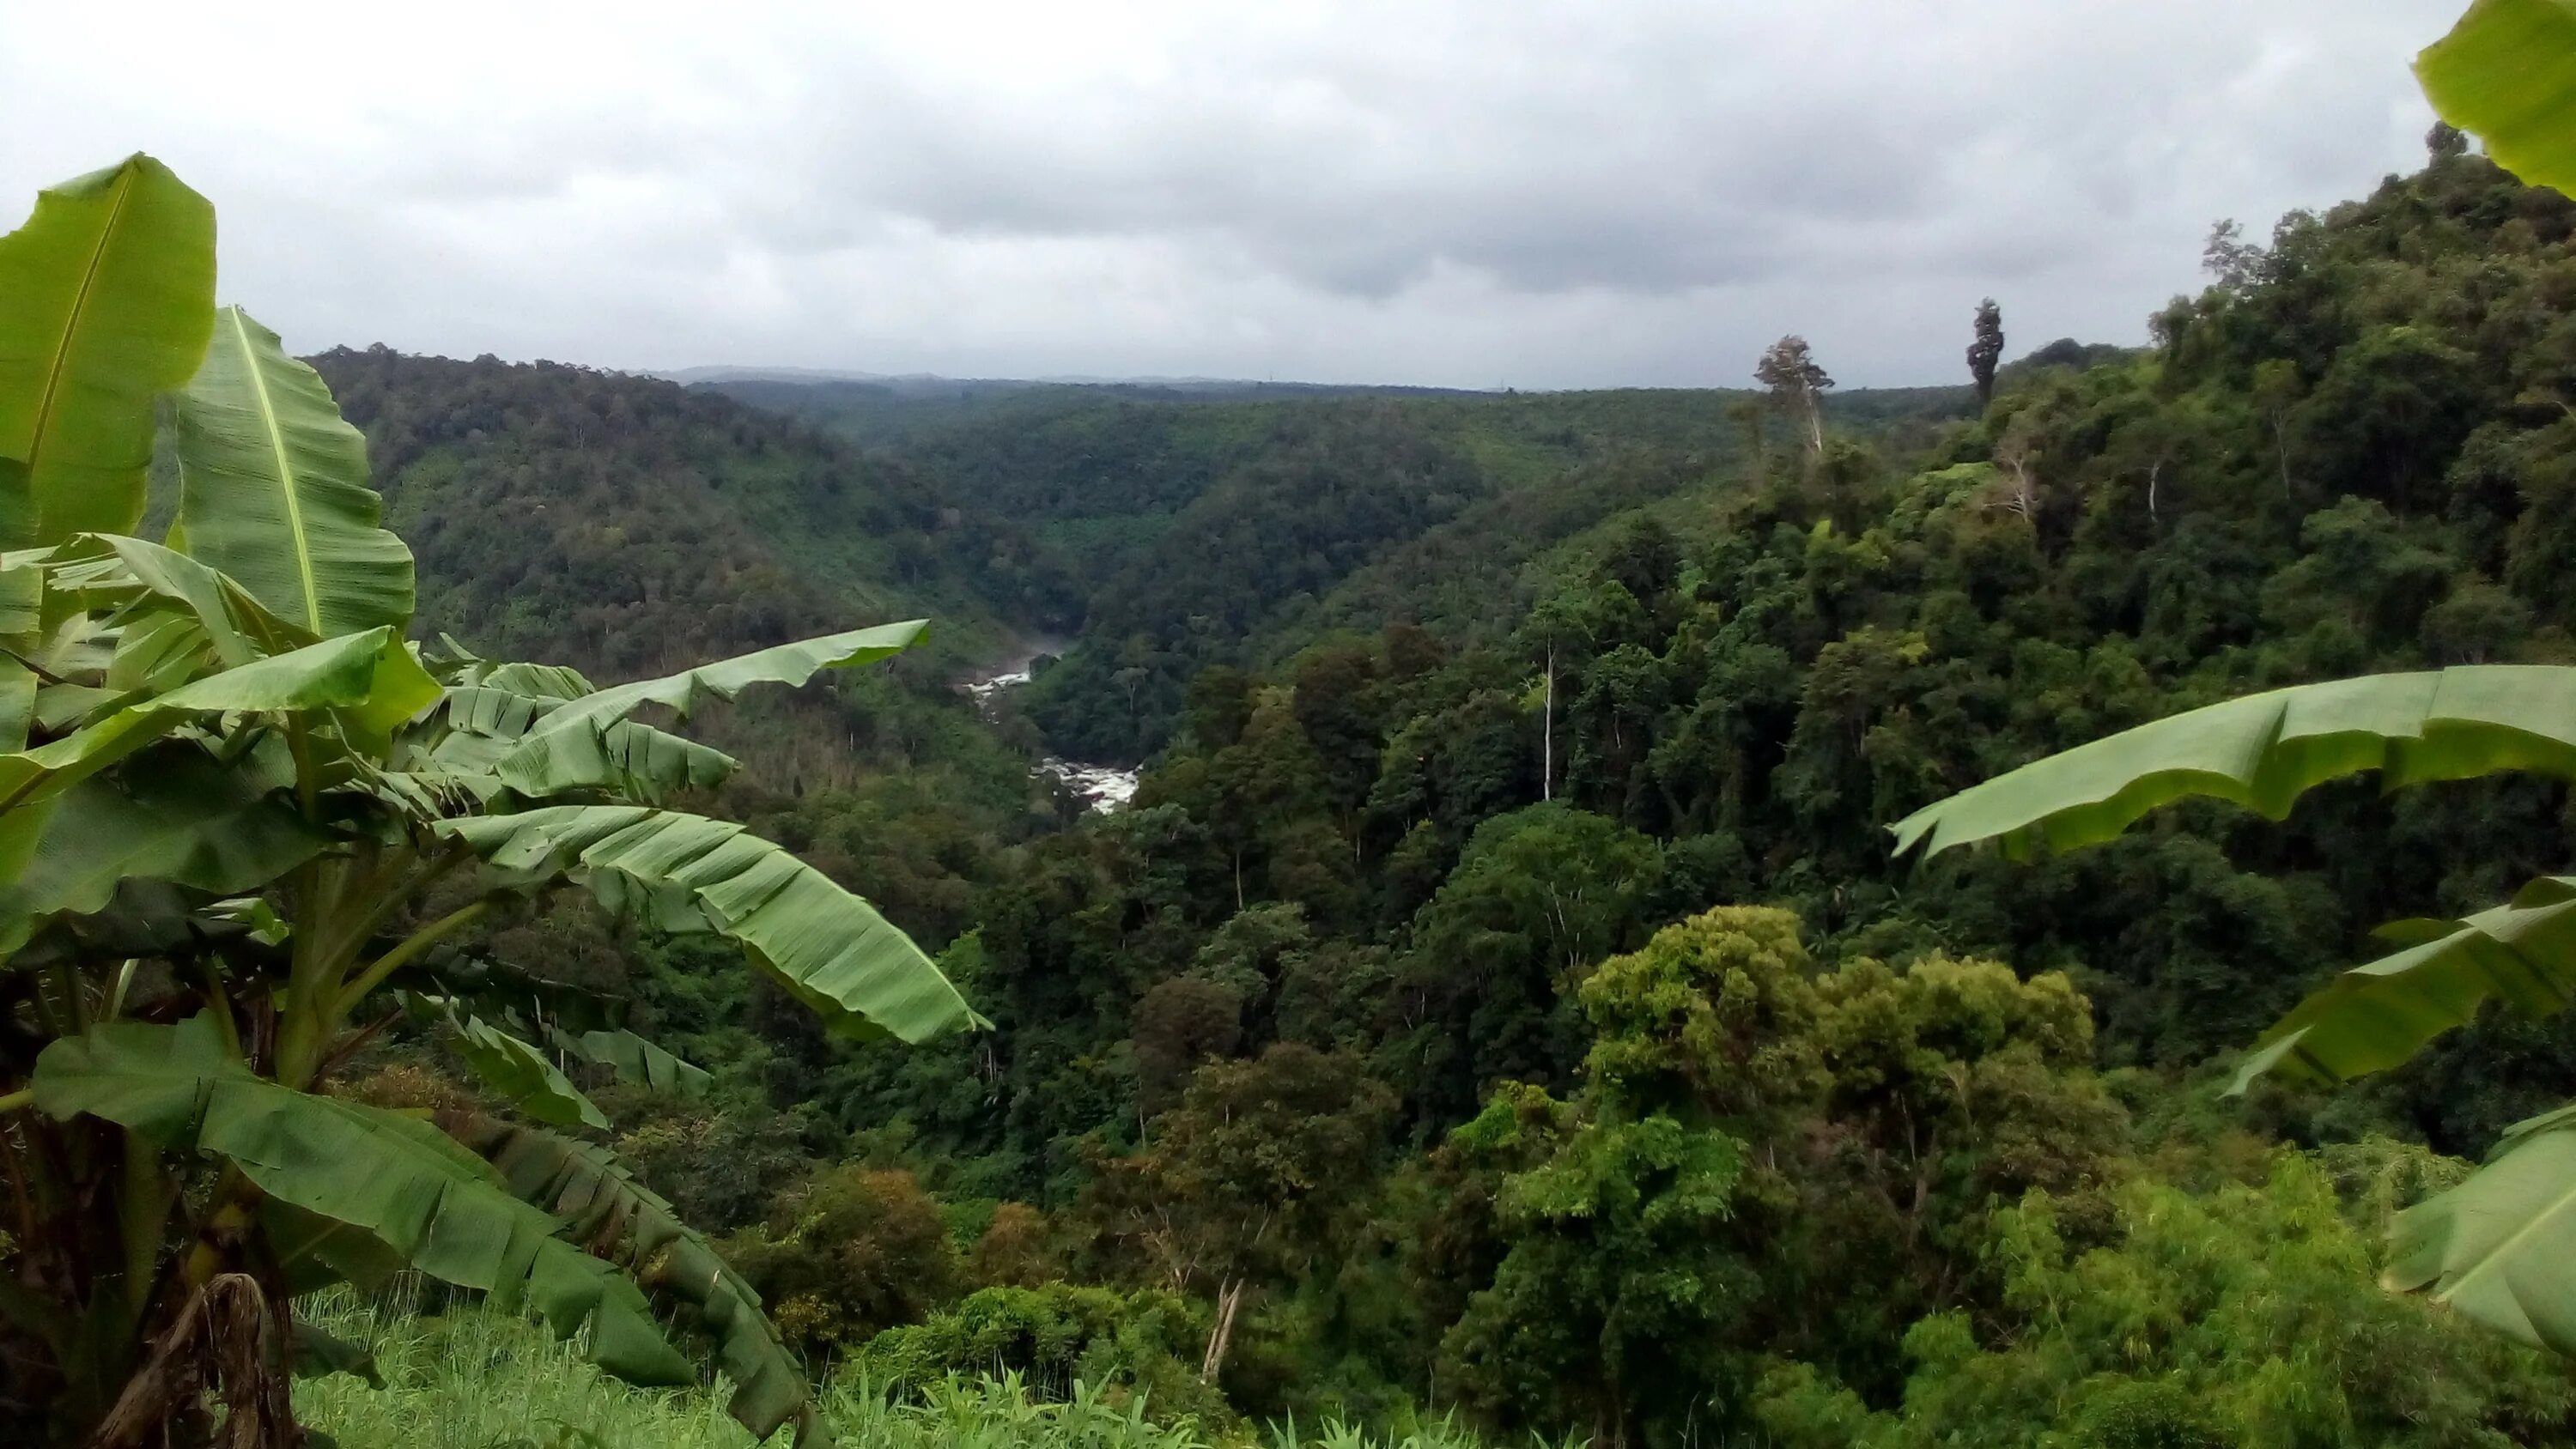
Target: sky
x,y
1489,193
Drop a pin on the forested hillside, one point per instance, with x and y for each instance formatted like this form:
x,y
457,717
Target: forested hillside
x,y
625,525
1500,996
490,844
1211,529
617,521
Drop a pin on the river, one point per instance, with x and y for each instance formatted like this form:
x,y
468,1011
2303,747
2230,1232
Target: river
x,y
1102,787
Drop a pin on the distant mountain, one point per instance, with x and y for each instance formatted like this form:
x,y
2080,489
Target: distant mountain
x,y
728,373
1207,522
938,386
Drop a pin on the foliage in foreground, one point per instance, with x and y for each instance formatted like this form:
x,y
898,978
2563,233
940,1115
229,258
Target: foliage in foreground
x,y
475,1379
2158,1317
243,825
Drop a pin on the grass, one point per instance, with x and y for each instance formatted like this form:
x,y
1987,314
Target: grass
x,y
475,1379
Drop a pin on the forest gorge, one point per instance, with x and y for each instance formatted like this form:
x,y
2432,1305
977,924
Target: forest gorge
x,y
1532,991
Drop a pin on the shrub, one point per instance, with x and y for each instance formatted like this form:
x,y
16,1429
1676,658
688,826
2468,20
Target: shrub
x,y
856,1251
1054,1337
1014,1251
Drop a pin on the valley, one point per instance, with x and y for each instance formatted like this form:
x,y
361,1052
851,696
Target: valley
x,y
549,906
1102,787
1465,732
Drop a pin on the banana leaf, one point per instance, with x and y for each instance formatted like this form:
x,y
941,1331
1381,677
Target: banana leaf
x,y
602,1204
635,1061
273,489
370,676
630,759
513,1068
685,873
107,298
237,627
2263,751
2507,74
2500,1248
573,727
2377,1016
174,813
403,1182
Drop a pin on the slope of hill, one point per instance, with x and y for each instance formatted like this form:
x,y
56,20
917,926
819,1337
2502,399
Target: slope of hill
x,y
629,526
623,523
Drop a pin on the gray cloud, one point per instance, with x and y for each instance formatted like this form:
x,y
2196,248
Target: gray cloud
x,y
1544,194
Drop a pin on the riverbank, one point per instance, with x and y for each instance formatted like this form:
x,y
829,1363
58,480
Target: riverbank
x,y
1102,787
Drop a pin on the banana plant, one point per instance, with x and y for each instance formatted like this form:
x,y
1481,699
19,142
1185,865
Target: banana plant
x,y
245,822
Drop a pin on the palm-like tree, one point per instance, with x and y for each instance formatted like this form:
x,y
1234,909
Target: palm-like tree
x,y
228,785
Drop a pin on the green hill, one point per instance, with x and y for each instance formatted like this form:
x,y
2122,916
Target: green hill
x,y
620,522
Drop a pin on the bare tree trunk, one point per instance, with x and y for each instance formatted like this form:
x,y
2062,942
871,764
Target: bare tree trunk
x,y
1547,734
1228,1299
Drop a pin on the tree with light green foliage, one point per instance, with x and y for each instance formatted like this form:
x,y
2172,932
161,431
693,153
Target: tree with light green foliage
x,y
1753,1132
2237,1318
244,826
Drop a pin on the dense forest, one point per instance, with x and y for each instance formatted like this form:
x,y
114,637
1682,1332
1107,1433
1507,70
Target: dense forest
x,y
1529,996
1500,997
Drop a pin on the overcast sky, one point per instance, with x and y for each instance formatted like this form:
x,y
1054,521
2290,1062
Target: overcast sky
x,y
1471,194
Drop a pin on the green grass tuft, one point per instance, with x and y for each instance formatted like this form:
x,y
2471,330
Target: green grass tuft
x,y
476,1379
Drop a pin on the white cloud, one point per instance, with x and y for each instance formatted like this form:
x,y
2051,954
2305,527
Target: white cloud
x,y
1545,194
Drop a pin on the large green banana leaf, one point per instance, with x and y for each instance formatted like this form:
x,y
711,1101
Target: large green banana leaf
x,y
515,1069
371,676
154,655
174,813
2501,1246
2378,1015
541,681
401,1180
17,703
603,1204
2507,73
681,872
22,590
635,1061
235,626
107,297
486,722
273,489
2264,750
531,767
314,1252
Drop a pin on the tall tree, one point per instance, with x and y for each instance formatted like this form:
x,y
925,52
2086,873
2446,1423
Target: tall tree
x,y
1797,383
1252,1178
1987,349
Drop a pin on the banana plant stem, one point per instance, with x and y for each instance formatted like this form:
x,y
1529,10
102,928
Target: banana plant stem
x,y
407,952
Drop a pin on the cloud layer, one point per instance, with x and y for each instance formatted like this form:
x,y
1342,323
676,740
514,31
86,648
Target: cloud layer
x,y
1502,192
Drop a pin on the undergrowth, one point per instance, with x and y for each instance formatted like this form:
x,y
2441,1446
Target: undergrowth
x,y
471,1378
